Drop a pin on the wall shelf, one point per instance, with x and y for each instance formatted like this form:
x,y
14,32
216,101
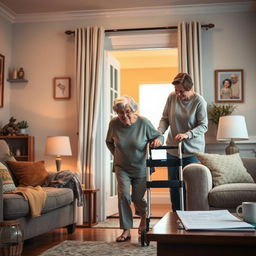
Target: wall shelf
x,y
17,80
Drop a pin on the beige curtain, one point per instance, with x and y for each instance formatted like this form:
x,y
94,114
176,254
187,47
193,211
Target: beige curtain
x,y
189,44
89,56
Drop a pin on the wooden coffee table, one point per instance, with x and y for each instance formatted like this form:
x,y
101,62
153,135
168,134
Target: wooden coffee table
x,y
174,241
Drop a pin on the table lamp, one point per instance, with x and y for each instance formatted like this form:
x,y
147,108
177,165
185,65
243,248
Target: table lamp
x,y
58,146
232,128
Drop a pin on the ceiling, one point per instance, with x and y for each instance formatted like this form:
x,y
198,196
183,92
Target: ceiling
x,y
130,59
39,6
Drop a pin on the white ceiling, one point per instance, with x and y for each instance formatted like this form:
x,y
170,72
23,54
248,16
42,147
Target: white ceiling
x,y
39,6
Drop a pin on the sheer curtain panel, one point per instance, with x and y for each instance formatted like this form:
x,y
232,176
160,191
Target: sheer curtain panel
x,y
89,56
189,44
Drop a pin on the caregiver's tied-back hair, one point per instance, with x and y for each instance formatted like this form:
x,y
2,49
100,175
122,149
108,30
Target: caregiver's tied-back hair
x,y
121,102
184,79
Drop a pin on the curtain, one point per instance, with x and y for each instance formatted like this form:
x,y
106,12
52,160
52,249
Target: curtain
x,y
189,44
89,56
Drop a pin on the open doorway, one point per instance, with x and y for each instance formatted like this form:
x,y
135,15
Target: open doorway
x,y
142,71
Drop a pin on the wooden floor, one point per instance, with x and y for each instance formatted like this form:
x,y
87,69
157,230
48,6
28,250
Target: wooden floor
x,y
39,244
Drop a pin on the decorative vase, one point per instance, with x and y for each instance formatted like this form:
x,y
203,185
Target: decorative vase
x,y
14,73
11,238
18,153
21,73
23,131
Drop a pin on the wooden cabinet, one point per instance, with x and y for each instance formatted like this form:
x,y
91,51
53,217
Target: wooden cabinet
x,y
22,147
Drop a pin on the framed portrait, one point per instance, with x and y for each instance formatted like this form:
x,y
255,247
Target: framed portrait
x,y
1,80
229,85
61,88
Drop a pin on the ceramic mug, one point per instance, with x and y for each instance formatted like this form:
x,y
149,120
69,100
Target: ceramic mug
x,y
247,210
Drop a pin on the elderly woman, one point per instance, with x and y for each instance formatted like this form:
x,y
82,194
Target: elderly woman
x,y
127,139
186,113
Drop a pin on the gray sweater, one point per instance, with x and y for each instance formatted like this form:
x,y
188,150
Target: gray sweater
x,y
128,144
188,117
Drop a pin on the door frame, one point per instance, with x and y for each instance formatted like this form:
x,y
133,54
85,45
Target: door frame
x,y
125,41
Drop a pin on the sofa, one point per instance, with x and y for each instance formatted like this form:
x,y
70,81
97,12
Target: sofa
x,y
203,194
58,211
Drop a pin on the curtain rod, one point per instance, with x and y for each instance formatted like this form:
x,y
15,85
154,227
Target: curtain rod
x,y
207,26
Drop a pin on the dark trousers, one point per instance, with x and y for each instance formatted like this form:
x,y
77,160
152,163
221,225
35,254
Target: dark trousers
x,y
173,174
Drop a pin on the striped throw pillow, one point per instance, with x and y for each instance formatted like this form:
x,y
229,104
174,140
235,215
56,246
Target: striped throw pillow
x,y
8,184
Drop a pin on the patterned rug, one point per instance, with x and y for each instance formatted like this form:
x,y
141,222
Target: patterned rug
x,y
114,223
97,248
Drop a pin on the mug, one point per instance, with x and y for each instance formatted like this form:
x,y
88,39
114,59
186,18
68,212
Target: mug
x,y
247,210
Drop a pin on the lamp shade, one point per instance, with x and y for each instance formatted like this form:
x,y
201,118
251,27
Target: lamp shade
x,y
232,127
58,146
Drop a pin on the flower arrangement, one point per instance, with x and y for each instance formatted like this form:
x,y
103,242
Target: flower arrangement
x,y
215,111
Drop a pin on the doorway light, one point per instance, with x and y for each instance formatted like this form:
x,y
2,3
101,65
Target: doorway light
x,y
152,99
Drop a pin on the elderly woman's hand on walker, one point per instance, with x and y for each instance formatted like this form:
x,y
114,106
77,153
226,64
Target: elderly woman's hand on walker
x,y
156,143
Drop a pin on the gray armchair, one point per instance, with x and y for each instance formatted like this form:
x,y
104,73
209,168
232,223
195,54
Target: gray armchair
x,y
202,195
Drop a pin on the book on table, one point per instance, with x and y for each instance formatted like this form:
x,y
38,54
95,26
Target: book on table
x,y
217,220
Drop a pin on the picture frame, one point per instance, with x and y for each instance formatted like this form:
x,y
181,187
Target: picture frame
x,y
229,85
62,88
2,63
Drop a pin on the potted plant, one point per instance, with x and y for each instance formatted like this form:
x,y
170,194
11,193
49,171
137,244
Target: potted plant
x,y
215,111
23,125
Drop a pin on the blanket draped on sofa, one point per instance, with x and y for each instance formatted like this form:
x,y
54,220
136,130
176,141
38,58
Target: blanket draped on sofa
x,y
36,197
67,179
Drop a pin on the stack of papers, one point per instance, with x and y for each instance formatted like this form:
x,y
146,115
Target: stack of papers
x,y
221,220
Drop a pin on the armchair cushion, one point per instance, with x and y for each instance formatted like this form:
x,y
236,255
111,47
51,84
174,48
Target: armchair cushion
x,y
29,173
225,168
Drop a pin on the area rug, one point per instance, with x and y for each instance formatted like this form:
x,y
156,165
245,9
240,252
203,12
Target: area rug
x,y
114,223
97,248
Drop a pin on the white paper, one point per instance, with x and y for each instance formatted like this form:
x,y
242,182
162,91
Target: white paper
x,y
213,220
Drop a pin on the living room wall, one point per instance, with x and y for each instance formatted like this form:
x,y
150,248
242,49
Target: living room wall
x,y
45,52
6,50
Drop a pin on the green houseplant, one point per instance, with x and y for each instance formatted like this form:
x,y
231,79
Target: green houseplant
x,y
215,111
23,125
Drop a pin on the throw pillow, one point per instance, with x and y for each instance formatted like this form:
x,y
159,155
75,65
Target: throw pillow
x,y
8,184
225,168
29,173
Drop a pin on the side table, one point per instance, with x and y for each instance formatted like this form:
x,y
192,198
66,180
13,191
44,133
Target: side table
x,y
91,207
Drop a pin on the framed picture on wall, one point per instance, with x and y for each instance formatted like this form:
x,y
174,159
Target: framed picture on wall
x,y
229,85
1,80
62,88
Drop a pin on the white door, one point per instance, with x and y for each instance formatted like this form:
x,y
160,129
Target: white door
x,y
112,83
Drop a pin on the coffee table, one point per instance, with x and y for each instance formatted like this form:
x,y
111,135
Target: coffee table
x,y
174,241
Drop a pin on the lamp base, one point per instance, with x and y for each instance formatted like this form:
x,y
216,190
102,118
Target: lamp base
x,y
231,148
58,163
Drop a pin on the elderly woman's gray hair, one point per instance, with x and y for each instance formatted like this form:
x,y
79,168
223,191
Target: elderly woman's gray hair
x,y
121,102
